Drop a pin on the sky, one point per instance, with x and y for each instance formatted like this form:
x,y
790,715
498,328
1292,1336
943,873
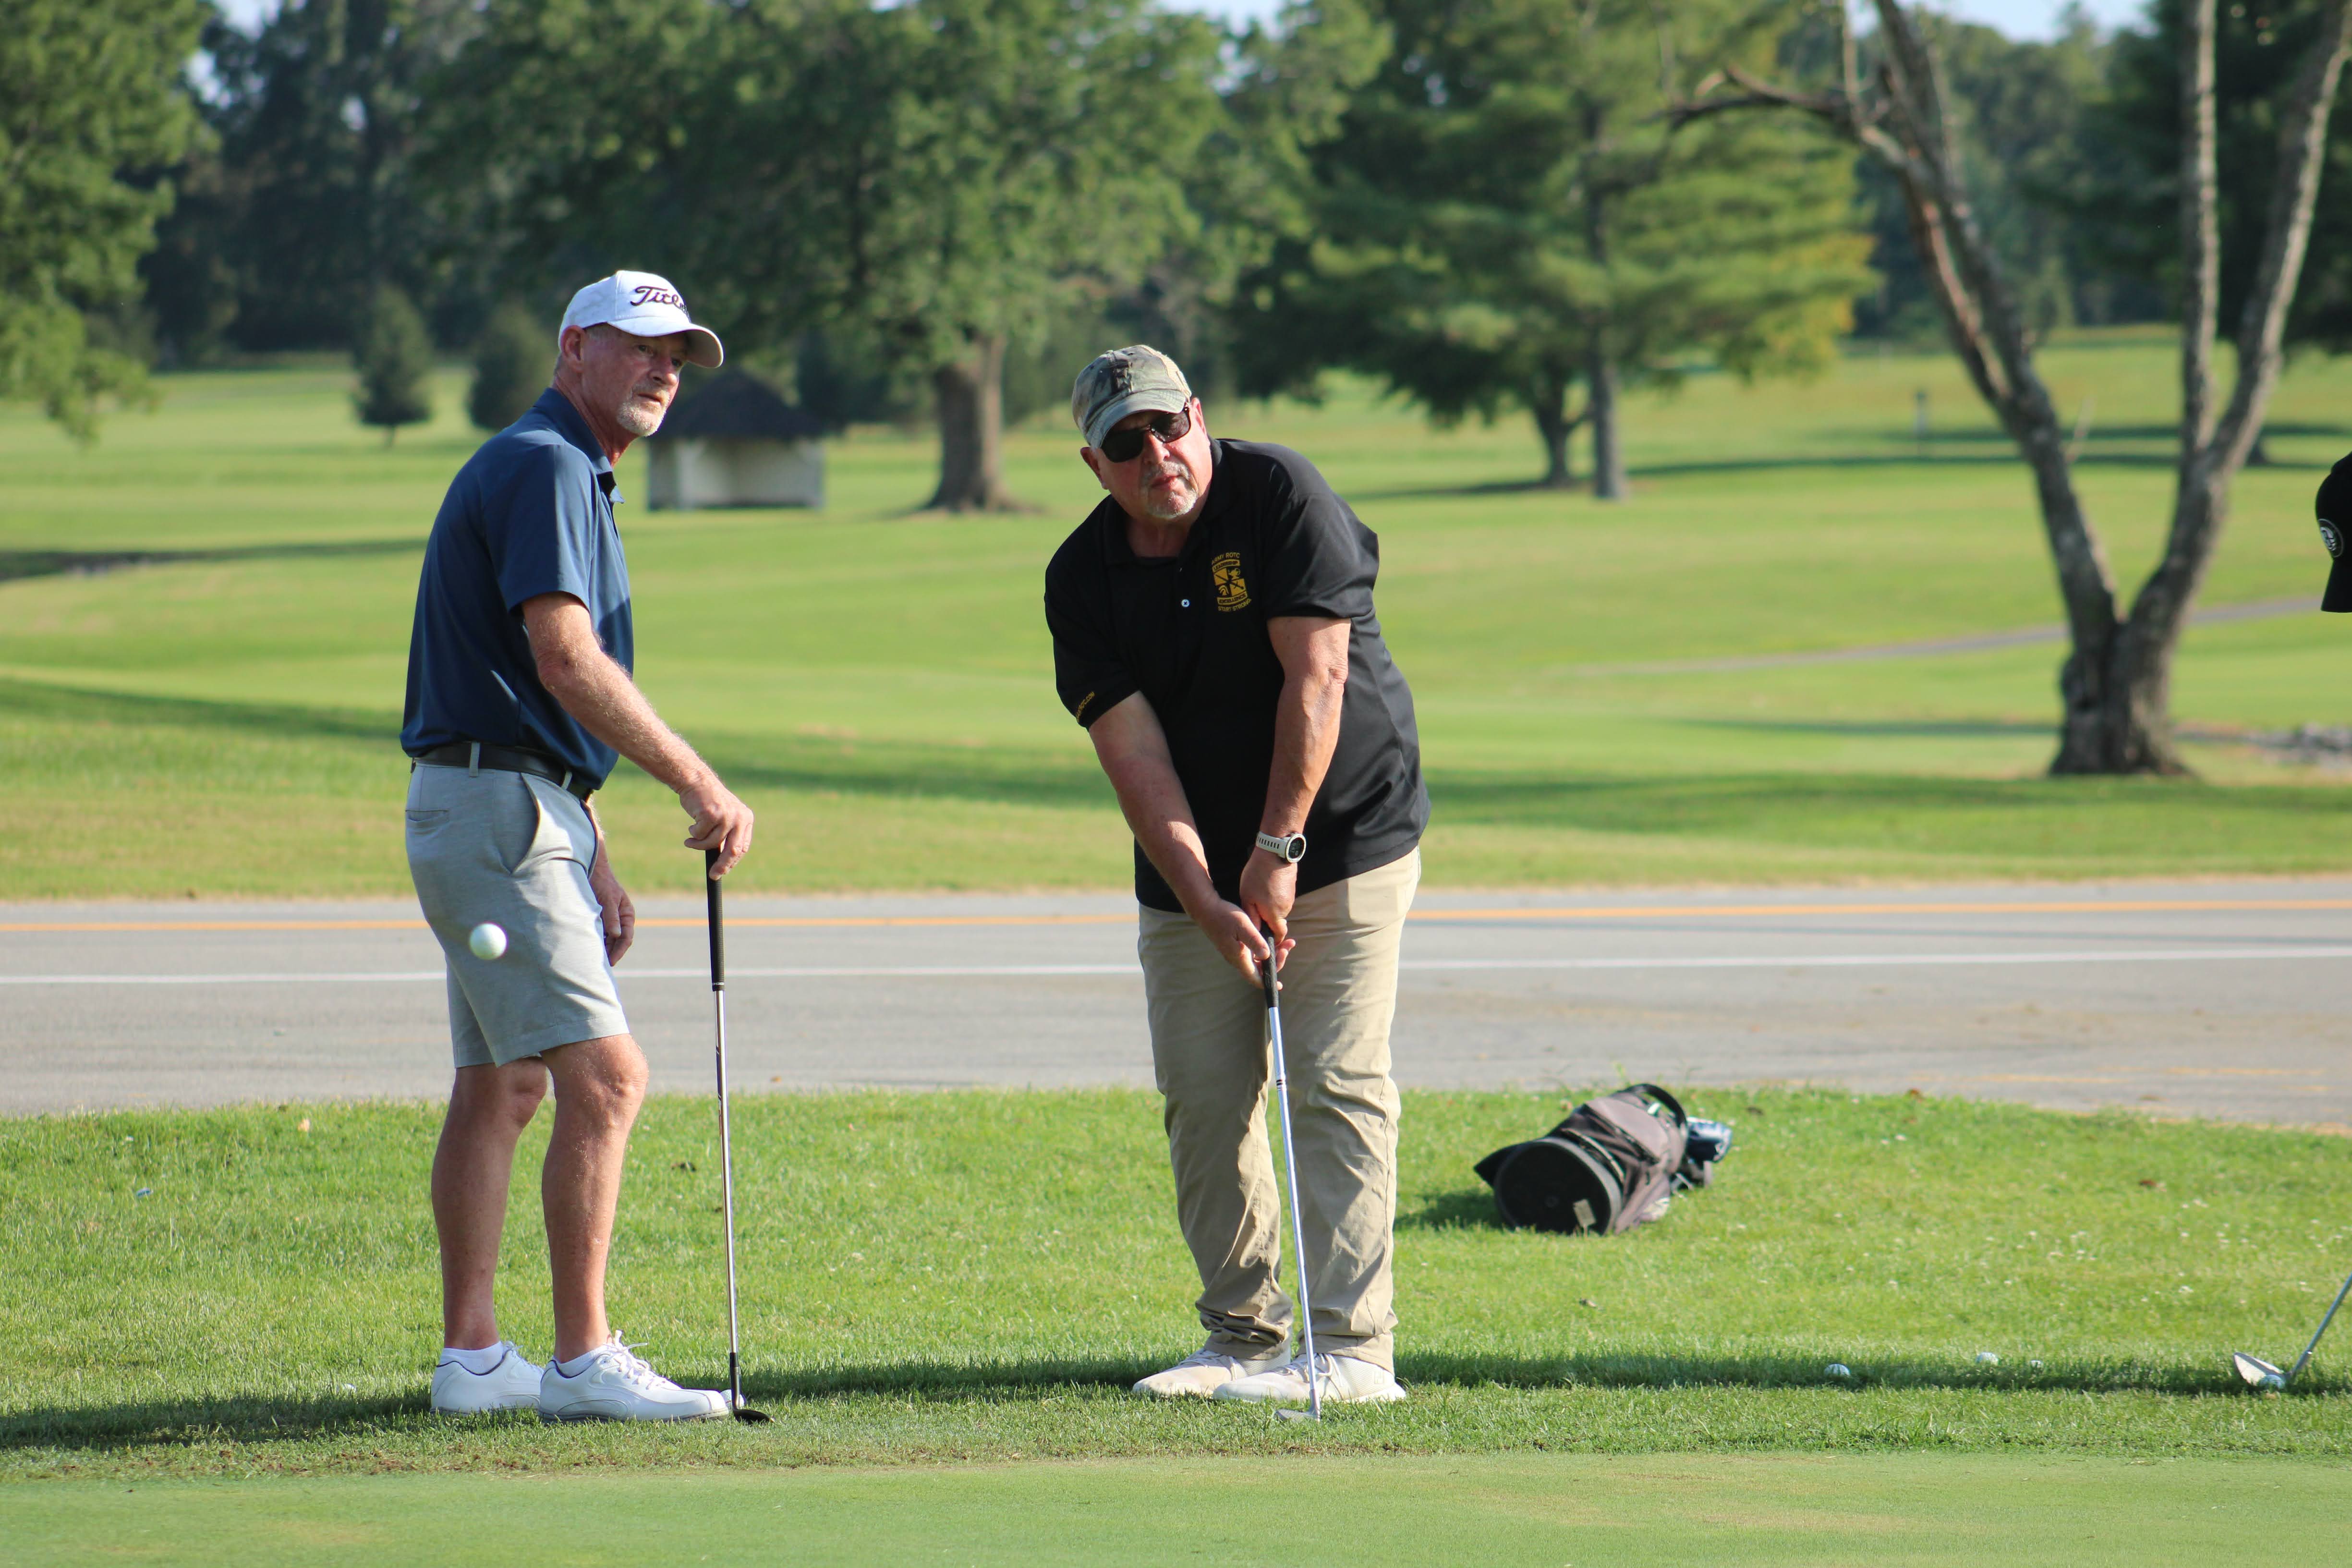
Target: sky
x,y
2018,18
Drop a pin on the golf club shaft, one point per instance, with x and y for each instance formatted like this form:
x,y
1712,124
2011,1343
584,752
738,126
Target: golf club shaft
x,y
2323,1328
1290,1168
726,1132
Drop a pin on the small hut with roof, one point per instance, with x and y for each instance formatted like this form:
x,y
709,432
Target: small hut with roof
x,y
736,442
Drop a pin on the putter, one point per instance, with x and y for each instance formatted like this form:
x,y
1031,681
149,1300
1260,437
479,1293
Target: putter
x,y
742,1412
2260,1374
1314,1410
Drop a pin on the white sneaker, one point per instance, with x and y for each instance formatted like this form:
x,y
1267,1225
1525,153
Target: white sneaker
x,y
1346,1380
1205,1371
512,1385
617,1386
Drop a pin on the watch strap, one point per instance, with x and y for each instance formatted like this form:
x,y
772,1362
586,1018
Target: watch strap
x,y
1291,847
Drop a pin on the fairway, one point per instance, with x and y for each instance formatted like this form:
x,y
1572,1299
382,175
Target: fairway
x,y
1598,691
1541,1512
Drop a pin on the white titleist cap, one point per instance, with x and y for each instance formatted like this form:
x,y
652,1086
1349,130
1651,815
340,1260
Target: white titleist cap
x,y
645,304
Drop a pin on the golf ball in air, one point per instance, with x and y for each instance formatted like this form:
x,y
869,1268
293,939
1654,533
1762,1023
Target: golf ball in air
x,y
488,940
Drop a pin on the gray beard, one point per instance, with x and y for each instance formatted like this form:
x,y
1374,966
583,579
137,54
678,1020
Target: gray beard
x,y
633,418
1171,509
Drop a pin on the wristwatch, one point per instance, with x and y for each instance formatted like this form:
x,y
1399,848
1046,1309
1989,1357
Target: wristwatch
x,y
1288,847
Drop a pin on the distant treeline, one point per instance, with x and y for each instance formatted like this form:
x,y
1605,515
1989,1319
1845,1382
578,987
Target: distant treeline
x,y
939,208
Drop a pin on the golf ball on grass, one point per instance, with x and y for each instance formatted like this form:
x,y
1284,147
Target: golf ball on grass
x,y
1838,1368
1986,1358
488,940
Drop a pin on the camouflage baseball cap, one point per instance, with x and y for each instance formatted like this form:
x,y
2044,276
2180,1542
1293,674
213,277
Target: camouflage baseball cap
x,y
1136,380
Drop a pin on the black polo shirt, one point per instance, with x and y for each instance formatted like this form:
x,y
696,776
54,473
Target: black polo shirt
x,y
1190,633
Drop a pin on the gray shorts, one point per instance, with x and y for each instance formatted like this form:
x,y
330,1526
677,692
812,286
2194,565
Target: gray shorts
x,y
515,850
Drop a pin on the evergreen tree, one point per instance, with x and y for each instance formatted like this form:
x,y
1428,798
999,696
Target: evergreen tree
x,y
513,362
1505,213
395,358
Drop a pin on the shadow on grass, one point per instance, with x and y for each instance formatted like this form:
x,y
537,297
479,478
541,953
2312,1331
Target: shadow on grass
x,y
884,767
2023,816
19,564
1473,1208
1922,729
1887,448
950,1386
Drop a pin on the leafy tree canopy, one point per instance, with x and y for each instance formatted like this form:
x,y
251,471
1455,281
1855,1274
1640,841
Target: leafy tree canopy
x,y
90,111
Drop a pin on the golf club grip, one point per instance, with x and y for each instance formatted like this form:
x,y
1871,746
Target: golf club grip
x,y
1265,969
716,922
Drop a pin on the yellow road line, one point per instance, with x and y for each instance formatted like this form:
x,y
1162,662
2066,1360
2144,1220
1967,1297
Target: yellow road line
x,y
1529,913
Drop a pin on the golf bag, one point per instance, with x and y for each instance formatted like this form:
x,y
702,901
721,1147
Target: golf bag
x,y
1614,1163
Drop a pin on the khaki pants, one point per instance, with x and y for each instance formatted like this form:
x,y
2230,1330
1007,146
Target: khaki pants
x,y
1209,1054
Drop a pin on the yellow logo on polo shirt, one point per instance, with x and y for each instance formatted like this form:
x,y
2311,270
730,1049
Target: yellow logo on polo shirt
x,y
1225,571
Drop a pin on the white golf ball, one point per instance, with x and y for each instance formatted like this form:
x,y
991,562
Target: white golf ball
x,y
488,940
2273,1380
1986,1358
1838,1368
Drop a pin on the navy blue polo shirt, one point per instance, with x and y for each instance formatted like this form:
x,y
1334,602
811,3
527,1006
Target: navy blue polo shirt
x,y
529,513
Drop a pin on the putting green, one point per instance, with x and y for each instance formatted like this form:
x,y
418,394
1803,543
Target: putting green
x,y
1493,1511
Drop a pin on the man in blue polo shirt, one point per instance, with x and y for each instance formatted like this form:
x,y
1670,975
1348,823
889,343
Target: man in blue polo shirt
x,y
520,698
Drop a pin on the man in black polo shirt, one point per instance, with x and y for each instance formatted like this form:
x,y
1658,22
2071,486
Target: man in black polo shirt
x,y
1213,632
520,697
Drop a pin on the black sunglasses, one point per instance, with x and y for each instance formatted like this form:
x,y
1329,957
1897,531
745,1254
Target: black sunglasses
x,y
1126,446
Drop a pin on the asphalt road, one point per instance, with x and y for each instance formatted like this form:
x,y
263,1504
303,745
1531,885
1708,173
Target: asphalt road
x,y
2205,998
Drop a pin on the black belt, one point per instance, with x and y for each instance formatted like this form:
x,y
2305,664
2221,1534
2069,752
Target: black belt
x,y
507,760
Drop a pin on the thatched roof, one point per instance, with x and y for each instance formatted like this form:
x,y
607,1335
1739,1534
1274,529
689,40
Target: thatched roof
x,y
736,406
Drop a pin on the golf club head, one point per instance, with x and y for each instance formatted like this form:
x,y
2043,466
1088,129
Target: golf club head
x,y
1296,1415
751,1417
2258,1372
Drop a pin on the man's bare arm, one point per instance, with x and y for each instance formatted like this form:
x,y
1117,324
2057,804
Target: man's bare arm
x,y
1133,751
594,688
1313,654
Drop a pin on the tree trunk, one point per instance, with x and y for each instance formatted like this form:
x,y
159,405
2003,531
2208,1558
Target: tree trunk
x,y
1600,403
970,395
1548,400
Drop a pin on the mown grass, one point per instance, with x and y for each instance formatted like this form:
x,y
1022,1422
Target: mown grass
x,y
975,1276
880,681
1937,1510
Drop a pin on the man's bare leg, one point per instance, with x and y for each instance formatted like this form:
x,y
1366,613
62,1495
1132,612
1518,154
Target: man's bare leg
x,y
599,1085
489,1108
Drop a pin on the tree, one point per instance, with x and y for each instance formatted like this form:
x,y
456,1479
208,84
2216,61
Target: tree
x,y
2117,677
393,356
2031,139
90,111
513,361
939,179
2131,203
1504,212
309,204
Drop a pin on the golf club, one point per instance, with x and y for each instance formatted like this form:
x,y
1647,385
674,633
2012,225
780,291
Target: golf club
x,y
2260,1374
1314,1410
726,1143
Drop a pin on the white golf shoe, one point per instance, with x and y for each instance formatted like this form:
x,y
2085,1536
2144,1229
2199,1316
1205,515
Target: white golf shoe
x,y
1345,1379
512,1385
615,1385
1205,1371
